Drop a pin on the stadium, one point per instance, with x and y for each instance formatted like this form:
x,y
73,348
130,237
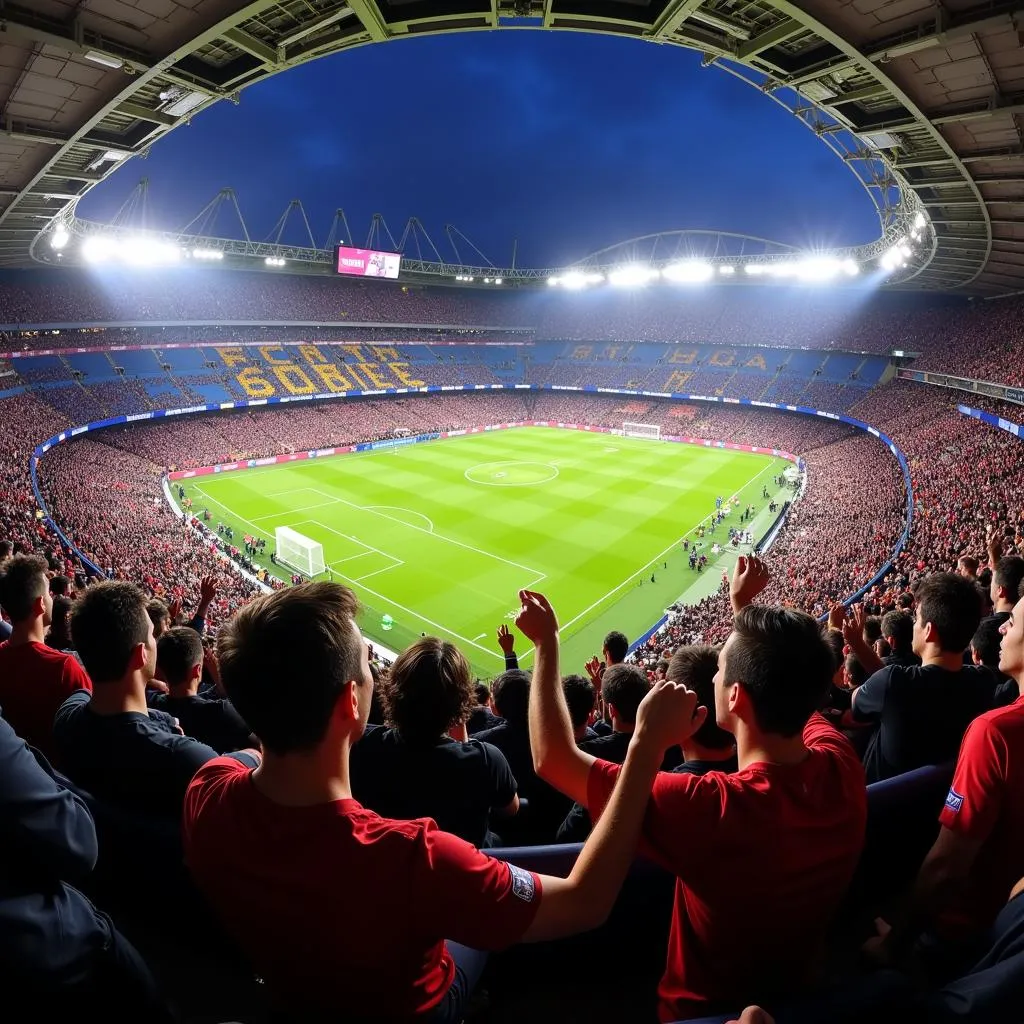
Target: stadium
x,y
282,527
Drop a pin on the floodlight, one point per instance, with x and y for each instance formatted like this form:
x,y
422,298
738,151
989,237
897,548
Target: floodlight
x,y
727,268
850,268
754,269
574,280
631,275
498,280
554,280
920,220
97,248
60,237
141,251
688,272
185,104
274,261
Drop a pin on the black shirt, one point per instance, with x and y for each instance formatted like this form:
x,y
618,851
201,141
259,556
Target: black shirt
x,y
213,722
482,718
906,660
130,759
547,806
456,784
922,712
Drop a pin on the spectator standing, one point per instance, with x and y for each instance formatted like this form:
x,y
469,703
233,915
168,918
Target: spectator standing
x,y
343,911
978,856
215,722
424,765
782,835
921,712
34,679
110,742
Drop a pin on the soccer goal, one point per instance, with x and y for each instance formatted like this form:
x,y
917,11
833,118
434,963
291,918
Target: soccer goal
x,y
652,431
300,553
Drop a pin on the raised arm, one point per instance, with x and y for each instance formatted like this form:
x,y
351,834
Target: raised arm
x,y
556,758
749,577
585,899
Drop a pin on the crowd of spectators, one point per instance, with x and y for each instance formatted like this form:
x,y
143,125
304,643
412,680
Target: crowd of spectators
x,y
773,793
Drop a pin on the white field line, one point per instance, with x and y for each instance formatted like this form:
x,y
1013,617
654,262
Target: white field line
x,y
377,572
658,557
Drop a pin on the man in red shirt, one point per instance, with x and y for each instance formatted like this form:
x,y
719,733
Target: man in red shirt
x,y
34,679
340,910
978,856
763,856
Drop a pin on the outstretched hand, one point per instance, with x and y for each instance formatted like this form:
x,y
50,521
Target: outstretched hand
x,y
536,619
506,640
749,577
668,715
853,627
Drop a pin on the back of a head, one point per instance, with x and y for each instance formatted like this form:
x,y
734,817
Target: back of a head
x,y
108,622
616,646
429,690
836,644
898,629
483,693
781,660
873,629
22,583
968,565
60,621
6,550
952,605
624,687
1008,576
511,695
178,652
695,667
285,659
854,671
986,640
580,697
60,585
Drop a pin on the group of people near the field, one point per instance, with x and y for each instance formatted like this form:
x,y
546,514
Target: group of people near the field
x,y
336,815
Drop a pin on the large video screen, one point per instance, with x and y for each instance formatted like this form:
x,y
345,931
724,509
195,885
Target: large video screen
x,y
368,262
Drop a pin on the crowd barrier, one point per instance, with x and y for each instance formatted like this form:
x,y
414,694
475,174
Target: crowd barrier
x,y
1009,426
66,435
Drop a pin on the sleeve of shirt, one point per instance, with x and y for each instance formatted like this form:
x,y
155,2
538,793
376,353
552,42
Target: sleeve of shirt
x,y
869,698
41,823
74,678
468,897
682,813
503,782
976,796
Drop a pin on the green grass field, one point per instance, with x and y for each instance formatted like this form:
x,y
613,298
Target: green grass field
x,y
442,535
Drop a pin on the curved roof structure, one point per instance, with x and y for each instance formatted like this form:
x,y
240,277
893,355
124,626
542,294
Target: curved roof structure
x,y
928,96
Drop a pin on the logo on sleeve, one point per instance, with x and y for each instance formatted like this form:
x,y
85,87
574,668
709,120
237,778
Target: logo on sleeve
x,y
954,801
523,884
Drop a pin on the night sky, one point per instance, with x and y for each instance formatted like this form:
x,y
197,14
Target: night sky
x,y
568,142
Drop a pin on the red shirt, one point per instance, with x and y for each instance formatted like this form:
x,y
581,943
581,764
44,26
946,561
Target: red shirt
x,y
763,858
34,681
340,909
985,804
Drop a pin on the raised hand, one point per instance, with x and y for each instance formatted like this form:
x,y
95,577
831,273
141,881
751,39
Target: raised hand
x,y
536,619
668,715
749,577
853,627
593,668
207,590
993,545
837,616
174,610
506,639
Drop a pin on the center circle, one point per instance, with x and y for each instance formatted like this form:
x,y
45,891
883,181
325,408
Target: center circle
x,y
511,474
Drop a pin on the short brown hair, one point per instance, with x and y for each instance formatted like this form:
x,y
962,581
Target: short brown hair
x,y
178,651
695,667
22,581
784,664
107,623
429,690
285,659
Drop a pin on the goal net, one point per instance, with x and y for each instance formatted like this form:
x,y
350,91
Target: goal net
x,y
652,431
300,553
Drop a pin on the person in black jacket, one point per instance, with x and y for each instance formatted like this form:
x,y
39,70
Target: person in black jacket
x,y
59,955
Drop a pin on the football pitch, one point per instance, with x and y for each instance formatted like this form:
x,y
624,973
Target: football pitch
x,y
442,535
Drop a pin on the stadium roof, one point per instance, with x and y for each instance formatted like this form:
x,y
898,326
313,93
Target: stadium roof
x,y
931,92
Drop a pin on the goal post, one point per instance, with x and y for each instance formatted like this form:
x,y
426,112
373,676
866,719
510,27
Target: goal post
x,y
652,431
298,552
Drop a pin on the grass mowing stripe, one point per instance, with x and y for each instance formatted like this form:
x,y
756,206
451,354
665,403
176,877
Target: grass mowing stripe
x,y
465,548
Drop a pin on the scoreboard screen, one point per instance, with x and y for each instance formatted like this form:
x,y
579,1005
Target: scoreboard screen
x,y
368,262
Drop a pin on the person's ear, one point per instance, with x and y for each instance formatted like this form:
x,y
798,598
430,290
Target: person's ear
x,y
139,658
737,700
931,634
196,673
39,607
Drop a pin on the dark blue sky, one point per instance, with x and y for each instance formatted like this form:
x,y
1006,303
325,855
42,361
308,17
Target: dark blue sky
x,y
568,142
